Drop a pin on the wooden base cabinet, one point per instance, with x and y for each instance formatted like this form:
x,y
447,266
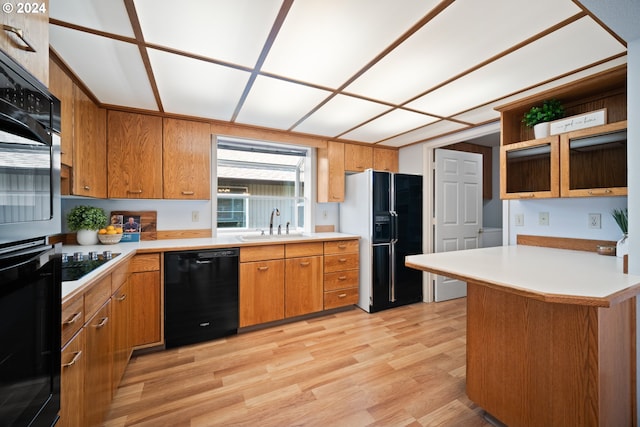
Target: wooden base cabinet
x,y
72,375
98,374
303,279
341,273
146,296
261,292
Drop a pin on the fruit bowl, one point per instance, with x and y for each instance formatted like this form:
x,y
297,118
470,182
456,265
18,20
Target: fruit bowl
x,y
109,239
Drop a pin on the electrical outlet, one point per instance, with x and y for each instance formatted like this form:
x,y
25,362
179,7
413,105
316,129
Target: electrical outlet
x,y
543,218
325,214
519,220
195,216
594,220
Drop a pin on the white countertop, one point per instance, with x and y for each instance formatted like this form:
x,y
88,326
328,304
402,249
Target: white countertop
x,y
127,250
550,274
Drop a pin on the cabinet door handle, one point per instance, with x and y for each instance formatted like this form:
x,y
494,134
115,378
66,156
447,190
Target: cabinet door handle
x,y
188,193
122,297
600,193
18,32
102,322
263,268
86,187
73,319
75,359
527,196
304,263
134,191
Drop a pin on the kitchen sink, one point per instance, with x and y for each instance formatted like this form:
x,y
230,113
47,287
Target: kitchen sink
x,y
256,237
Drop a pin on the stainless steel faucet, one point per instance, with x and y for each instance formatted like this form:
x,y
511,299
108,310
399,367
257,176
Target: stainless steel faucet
x,y
274,211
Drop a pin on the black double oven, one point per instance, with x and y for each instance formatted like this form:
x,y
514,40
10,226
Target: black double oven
x,y
30,266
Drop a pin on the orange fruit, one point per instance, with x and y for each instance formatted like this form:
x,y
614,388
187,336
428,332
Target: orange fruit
x,y
102,231
110,227
119,230
111,231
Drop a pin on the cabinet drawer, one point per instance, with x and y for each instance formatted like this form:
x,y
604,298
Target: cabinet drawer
x,y
119,276
340,298
341,280
340,262
261,253
341,246
293,250
145,262
96,296
72,318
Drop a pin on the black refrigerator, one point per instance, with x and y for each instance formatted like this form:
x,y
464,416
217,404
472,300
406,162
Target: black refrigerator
x,y
385,210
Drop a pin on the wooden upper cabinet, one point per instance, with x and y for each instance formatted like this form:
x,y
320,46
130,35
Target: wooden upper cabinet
x,y
593,161
89,174
357,158
186,159
330,178
134,153
61,85
385,160
26,36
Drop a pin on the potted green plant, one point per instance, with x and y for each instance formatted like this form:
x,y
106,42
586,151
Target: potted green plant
x,y
621,216
538,117
86,221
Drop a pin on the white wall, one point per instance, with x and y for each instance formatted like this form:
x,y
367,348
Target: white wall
x,y
568,217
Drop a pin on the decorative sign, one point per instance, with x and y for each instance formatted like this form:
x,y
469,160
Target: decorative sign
x,y
136,225
582,121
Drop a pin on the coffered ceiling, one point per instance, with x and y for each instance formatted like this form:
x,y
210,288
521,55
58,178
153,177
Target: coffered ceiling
x,y
388,72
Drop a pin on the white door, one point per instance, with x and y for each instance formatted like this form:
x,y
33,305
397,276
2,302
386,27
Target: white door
x,y
458,211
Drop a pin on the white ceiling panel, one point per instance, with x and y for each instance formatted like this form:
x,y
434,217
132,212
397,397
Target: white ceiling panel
x,y
230,31
113,70
583,42
328,41
423,133
197,88
481,114
456,40
107,16
339,115
390,124
278,104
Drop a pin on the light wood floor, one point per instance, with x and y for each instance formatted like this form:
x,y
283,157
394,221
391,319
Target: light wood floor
x,y
400,367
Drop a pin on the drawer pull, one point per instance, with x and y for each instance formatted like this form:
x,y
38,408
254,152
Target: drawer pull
x,y
304,263
74,319
342,260
600,193
134,191
18,32
75,359
342,295
342,278
122,298
102,322
342,246
188,193
263,268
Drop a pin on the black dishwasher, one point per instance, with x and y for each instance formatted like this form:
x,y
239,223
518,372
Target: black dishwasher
x,y
200,295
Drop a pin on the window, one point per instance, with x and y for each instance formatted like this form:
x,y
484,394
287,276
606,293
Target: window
x,y
254,178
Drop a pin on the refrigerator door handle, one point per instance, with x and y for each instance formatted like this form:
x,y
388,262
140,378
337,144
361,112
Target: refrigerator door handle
x,y
392,271
394,226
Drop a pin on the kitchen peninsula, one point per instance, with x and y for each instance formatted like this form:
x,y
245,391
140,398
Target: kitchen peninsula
x,y
550,333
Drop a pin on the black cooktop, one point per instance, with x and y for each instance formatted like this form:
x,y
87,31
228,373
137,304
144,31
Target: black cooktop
x,y
74,269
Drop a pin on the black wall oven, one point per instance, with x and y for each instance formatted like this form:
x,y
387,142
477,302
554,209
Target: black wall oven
x,y
30,267
29,156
